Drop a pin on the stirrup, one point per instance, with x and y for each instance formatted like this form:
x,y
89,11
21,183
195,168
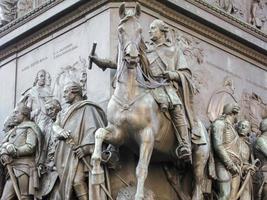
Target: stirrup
x,y
184,153
163,107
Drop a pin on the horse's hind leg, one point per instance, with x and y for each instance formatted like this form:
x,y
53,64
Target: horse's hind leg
x,y
146,148
200,158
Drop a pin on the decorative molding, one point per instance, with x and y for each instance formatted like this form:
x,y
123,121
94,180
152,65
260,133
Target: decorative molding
x,y
29,16
229,18
218,39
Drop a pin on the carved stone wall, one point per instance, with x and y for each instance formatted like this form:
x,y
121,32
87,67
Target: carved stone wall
x,y
245,10
13,9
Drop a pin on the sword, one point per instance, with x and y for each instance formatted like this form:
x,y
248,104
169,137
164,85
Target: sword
x,y
6,160
255,164
71,142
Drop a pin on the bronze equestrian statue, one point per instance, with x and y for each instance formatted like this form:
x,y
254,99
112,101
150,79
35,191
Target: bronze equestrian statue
x,y
134,114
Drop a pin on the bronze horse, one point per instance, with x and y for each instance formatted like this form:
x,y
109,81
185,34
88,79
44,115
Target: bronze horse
x,y
134,115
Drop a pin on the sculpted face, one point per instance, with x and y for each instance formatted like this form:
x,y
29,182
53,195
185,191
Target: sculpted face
x,y
18,117
243,128
41,78
51,110
68,95
154,32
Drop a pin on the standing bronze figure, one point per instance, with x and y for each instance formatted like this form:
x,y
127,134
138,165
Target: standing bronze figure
x,y
260,150
227,157
20,153
47,169
78,123
245,149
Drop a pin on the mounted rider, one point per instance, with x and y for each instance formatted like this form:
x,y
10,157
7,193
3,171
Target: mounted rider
x,y
168,67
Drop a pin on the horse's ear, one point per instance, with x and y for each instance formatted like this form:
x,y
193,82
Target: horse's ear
x,y
122,11
137,10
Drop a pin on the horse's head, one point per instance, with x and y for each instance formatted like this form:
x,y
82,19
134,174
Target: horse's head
x,y
129,33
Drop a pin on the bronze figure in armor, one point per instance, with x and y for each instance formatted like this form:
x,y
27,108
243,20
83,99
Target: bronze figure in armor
x,y
228,162
20,153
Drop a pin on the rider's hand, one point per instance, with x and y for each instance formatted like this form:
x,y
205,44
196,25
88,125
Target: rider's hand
x,y
93,57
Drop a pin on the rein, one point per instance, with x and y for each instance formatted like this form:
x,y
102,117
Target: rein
x,y
127,105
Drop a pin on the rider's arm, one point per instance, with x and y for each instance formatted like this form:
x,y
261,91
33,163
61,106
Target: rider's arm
x,y
103,63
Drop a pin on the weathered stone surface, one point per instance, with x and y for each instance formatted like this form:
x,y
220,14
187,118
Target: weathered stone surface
x,y
7,88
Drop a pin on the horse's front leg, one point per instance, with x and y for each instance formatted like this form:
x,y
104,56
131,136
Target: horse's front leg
x,y
110,135
98,172
146,149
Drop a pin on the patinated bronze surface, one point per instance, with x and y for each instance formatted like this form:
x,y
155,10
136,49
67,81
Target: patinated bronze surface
x,y
132,99
60,146
20,152
75,131
261,154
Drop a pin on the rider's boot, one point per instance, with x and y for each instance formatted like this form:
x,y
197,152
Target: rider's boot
x,y
183,151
